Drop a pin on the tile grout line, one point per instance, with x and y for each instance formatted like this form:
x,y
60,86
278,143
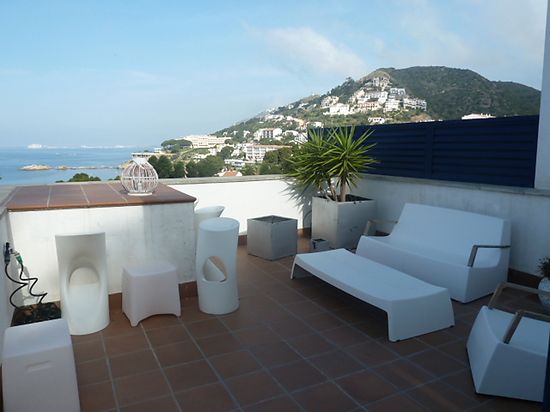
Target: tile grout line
x,y
110,372
166,380
365,367
220,378
302,358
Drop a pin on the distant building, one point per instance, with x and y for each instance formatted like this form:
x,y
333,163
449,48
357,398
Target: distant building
x,y
397,91
256,152
477,116
377,120
381,82
204,141
268,133
230,173
391,105
414,103
235,162
314,125
147,155
339,109
329,101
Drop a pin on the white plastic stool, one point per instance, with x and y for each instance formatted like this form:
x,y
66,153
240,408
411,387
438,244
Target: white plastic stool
x,y
150,289
206,213
216,265
38,369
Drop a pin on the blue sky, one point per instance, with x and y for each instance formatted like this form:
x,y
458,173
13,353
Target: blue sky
x,y
139,72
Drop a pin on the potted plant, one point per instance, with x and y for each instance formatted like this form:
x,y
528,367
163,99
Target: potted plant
x,y
543,269
331,162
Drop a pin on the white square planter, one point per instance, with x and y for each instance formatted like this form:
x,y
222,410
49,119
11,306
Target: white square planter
x,y
272,237
341,223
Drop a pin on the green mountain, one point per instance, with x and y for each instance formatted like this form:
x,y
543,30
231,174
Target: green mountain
x,y
453,93
390,95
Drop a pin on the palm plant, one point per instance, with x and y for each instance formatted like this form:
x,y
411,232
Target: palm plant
x,y
332,161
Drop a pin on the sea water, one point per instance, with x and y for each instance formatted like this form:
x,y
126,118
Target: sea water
x,y
101,162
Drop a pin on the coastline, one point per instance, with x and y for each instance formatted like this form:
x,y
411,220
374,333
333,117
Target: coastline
x,y
40,167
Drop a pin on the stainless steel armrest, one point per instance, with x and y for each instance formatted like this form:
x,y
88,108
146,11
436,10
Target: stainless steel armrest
x,y
520,314
475,248
372,223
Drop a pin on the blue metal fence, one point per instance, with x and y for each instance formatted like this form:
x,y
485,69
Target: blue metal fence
x,y
499,151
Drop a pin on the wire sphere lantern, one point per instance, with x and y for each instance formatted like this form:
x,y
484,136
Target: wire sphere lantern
x,y
139,178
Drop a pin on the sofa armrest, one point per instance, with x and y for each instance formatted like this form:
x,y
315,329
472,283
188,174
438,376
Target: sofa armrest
x,y
371,224
520,314
475,248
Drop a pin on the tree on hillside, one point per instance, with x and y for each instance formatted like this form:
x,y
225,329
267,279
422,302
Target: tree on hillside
x,y
192,169
175,145
249,170
225,152
81,177
163,166
179,169
210,165
276,161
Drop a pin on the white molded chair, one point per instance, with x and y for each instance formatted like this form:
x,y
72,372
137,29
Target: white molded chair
x,y
84,293
216,265
204,213
508,351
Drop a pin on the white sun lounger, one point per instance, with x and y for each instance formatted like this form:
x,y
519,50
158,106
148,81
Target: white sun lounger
x,y
414,307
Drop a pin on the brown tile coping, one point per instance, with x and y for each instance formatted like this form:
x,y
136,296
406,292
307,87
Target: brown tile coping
x,y
86,195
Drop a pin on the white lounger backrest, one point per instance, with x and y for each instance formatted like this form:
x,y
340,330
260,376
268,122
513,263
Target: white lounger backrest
x,y
451,230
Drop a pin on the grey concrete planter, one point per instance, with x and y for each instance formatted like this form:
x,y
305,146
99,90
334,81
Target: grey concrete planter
x,y
341,223
272,237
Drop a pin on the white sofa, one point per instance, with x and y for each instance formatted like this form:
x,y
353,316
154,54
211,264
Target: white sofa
x,y
465,252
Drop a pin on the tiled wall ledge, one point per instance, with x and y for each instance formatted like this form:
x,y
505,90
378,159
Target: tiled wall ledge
x,y
137,229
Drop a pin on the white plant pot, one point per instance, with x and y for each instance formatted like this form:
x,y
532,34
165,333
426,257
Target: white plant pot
x,y
545,300
341,223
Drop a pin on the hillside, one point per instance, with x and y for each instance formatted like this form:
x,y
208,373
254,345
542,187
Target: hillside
x,y
390,95
452,93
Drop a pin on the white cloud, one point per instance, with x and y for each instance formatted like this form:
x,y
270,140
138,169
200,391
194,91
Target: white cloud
x,y
313,52
435,44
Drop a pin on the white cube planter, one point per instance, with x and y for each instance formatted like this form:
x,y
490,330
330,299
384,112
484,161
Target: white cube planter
x,y
272,237
341,223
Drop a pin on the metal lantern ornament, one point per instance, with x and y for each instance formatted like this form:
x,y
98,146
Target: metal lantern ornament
x,y
139,178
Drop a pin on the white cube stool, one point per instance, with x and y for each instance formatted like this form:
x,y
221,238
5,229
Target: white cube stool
x,y
216,265
150,289
38,369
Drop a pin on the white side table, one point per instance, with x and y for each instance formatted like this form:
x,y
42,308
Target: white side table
x,y
150,289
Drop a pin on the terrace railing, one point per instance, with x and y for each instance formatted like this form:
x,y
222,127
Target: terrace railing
x,y
499,151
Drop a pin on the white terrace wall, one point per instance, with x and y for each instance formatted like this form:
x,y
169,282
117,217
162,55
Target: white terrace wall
x,y
527,209
6,310
246,197
134,234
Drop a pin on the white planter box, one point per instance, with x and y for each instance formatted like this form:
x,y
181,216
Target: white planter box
x,y
272,237
341,223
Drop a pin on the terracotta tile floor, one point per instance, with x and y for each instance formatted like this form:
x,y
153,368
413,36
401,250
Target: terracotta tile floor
x,y
298,345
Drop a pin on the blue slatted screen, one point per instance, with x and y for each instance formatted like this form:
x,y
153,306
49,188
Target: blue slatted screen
x,y
499,151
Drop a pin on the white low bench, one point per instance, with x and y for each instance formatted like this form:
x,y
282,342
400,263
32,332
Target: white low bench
x,y
414,307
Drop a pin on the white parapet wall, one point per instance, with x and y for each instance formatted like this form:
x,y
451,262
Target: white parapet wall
x,y
247,197
6,287
527,209
134,234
